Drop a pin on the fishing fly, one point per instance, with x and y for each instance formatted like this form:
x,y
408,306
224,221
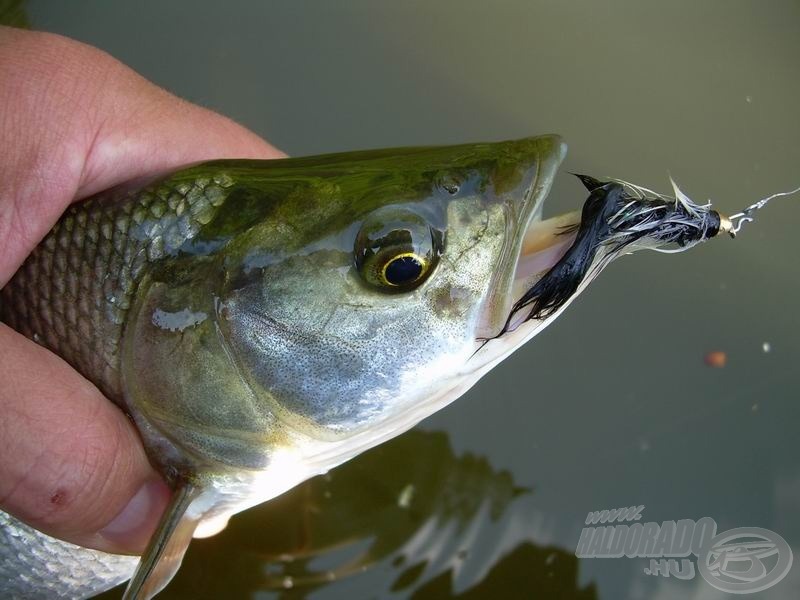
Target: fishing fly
x,y
730,225
620,217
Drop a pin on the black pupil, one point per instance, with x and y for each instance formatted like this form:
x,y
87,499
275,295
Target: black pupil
x,y
403,269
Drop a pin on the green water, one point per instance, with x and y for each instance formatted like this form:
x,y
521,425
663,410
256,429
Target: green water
x,y
611,406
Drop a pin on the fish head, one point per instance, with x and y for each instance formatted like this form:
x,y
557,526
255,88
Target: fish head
x,y
348,298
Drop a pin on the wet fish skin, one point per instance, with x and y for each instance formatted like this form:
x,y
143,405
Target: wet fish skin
x,y
34,566
179,299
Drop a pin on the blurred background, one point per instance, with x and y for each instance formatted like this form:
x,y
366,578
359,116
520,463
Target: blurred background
x,y
615,404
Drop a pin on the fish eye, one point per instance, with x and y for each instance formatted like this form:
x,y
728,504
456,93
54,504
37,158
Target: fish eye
x,y
404,269
396,251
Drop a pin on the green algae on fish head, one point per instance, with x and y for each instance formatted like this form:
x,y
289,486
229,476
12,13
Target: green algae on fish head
x,y
330,302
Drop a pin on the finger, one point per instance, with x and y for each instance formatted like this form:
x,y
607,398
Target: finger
x,y
78,471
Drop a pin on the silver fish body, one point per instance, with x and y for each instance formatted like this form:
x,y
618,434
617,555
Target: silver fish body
x,y
35,566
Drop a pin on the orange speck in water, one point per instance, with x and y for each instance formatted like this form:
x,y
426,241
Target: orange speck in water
x,y
716,359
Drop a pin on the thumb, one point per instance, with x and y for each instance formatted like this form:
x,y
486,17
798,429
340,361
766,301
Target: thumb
x,y
71,463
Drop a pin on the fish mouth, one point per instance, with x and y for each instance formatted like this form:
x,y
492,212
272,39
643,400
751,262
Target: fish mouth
x,y
544,244
560,256
541,247
551,266
537,162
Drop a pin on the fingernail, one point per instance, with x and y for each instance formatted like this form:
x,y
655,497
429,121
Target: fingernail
x,y
135,523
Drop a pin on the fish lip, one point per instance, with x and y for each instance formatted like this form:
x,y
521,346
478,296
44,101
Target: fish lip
x,y
530,268
522,215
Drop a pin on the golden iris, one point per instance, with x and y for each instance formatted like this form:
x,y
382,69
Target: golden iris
x,y
404,269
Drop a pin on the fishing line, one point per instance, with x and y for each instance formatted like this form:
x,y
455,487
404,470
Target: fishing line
x,y
746,216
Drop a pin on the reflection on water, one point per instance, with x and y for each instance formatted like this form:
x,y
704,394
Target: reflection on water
x,y
409,518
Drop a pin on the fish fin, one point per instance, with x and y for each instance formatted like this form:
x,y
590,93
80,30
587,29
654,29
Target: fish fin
x,y
164,553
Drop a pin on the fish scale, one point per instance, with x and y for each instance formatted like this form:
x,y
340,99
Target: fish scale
x,y
42,567
74,291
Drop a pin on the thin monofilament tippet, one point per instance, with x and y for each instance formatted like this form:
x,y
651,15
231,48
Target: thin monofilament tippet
x,y
746,216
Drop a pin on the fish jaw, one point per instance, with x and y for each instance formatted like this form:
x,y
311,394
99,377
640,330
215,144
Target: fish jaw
x,y
523,219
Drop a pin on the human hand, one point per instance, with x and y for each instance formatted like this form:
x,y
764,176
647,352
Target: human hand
x,y
74,121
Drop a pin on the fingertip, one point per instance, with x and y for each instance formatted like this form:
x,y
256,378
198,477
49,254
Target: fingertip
x,y
131,529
